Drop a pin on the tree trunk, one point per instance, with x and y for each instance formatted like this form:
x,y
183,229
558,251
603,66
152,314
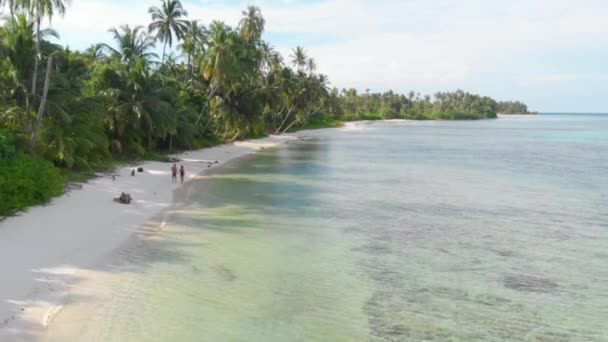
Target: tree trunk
x,y
288,127
189,71
211,94
310,114
170,142
236,136
209,121
163,58
40,116
35,72
278,131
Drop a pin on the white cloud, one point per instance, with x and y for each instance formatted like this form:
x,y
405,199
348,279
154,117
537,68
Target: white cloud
x,y
398,44
403,44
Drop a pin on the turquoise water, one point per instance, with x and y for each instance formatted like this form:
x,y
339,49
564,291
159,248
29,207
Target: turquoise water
x,y
388,231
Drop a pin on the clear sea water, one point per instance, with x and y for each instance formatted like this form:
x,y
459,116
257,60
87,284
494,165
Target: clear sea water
x,y
389,231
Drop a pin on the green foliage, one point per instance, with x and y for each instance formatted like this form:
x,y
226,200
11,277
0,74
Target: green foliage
x,y
7,147
513,107
155,156
411,115
459,105
27,181
318,122
458,115
370,116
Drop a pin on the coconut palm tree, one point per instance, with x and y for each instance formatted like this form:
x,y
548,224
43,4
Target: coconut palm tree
x,y
221,61
132,43
167,22
95,52
18,42
40,9
220,65
194,40
311,65
252,24
298,58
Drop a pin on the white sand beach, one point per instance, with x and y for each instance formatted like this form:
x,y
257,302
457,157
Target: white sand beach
x,y
44,250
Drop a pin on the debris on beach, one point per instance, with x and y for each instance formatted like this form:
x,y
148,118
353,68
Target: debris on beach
x,y
123,198
224,273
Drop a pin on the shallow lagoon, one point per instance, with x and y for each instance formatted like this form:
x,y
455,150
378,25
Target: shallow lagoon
x,y
388,231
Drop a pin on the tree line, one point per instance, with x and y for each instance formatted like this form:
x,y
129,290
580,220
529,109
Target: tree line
x,y
79,111
389,105
513,107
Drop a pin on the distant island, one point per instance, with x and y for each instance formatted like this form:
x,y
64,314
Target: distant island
x,y
513,108
457,105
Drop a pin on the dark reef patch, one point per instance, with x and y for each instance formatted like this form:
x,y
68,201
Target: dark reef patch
x,y
529,284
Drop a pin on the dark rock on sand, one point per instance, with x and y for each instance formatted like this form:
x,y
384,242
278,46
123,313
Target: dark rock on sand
x,y
123,198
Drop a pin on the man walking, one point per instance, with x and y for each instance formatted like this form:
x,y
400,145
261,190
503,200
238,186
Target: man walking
x,y
174,173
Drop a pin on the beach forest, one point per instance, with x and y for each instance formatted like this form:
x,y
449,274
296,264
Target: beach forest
x,y
180,83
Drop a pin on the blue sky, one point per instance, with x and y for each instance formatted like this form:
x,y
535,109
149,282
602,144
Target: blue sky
x,y
551,54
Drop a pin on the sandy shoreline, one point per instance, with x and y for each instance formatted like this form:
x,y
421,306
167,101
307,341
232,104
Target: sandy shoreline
x,y
47,250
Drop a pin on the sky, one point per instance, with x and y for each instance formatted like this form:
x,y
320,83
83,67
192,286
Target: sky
x,y
550,54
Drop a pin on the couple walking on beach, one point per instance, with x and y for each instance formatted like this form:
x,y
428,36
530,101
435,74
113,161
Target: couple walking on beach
x,y
182,173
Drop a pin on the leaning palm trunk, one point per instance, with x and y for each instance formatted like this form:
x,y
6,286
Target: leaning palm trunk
x,y
278,131
210,120
235,137
211,94
208,124
309,115
40,116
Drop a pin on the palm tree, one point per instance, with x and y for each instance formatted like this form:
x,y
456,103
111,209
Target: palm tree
x,y
95,52
18,41
18,44
40,9
195,36
221,64
252,24
167,22
311,65
298,58
132,43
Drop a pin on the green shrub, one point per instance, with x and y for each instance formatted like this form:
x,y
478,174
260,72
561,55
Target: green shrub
x,y
370,116
415,115
459,115
27,181
7,148
317,122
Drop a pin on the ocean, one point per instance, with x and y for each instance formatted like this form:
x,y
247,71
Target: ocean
x,y
487,230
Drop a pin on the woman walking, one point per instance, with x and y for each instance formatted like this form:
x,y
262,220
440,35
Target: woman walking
x,y
182,173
